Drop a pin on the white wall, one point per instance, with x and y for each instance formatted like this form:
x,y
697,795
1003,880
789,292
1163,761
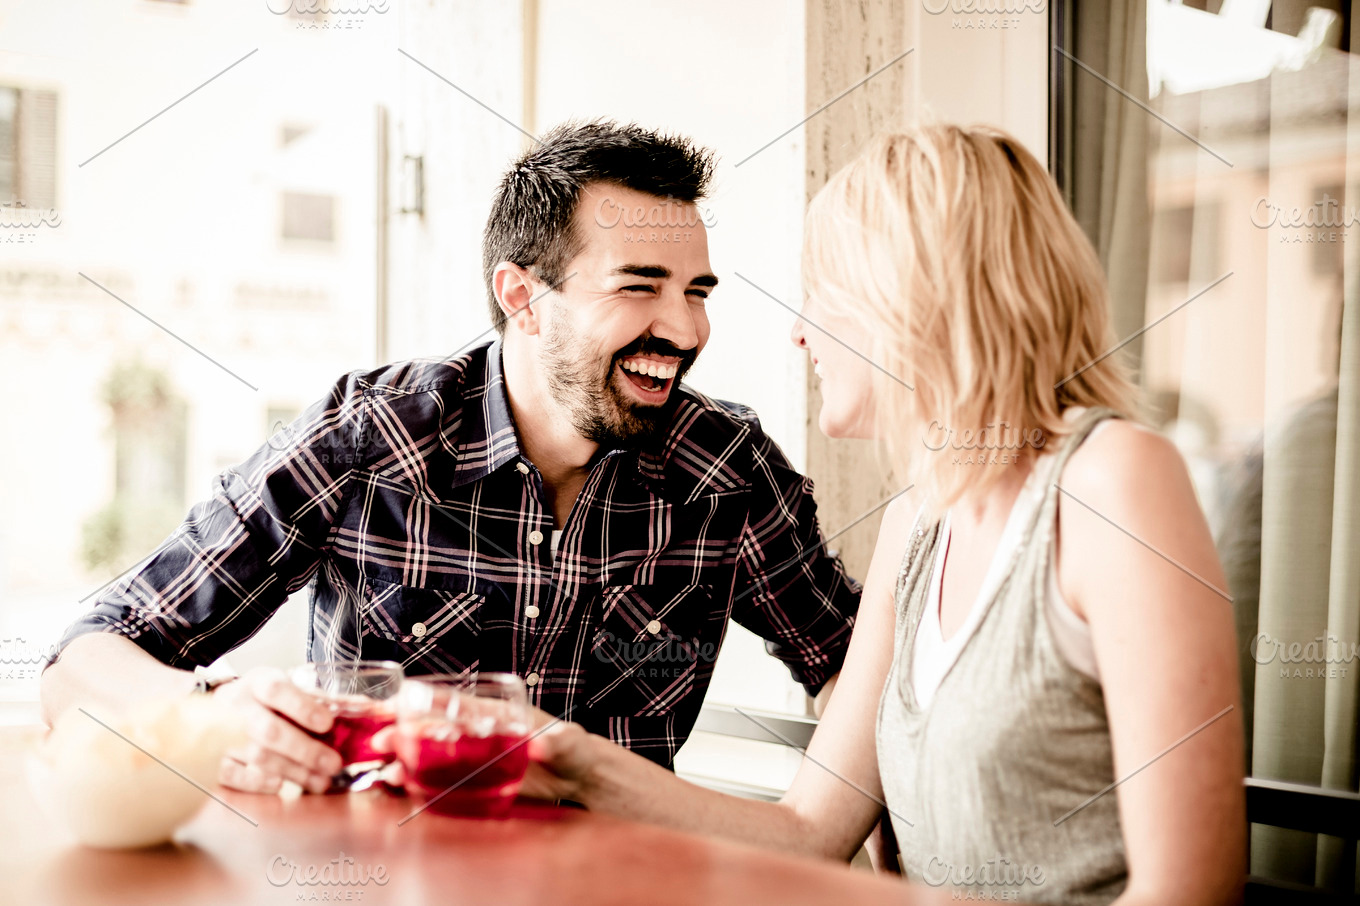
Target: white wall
x,y
730,76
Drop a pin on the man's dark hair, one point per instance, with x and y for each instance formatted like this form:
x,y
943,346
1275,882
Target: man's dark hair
x,y
531,214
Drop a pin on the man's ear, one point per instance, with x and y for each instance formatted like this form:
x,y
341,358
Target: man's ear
x,y
515,289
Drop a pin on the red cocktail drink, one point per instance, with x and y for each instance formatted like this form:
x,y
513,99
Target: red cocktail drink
x,y
362,696
463,741
463,775
352,733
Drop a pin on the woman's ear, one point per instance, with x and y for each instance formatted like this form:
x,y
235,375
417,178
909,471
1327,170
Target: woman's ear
x,y
516,289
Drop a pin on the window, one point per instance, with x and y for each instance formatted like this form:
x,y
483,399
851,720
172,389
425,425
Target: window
x,y
170,332
149,441
9,108
1235,186
308,216
28,140
290,132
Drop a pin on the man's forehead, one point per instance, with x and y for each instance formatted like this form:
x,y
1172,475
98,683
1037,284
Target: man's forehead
x,y
626,231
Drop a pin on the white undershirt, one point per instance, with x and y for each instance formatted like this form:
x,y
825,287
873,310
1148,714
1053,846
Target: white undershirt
x,y
553,542
932,655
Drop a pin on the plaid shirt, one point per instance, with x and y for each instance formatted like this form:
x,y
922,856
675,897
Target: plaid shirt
x,y
404,498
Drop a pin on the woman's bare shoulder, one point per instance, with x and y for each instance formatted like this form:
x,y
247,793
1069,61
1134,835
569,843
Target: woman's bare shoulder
x,y
1126,497
1120,463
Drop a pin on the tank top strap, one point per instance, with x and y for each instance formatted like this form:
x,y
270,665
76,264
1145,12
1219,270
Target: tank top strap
x,y
1037,530
1081,429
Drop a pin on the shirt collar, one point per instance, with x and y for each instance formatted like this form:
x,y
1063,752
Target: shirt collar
x,y
485,433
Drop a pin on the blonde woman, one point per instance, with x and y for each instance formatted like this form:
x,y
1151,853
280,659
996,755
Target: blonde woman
x,y
1042,684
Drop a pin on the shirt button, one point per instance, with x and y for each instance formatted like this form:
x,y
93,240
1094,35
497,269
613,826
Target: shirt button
x,y
418,630
531,679
654,627
523,469
535,537
531,611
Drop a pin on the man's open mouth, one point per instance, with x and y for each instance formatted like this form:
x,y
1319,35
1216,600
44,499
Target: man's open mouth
x,y
650,377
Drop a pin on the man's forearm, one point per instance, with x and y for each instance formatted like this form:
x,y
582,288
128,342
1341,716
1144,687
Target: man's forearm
x,y
107,671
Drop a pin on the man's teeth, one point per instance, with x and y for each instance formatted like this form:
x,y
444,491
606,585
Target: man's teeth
x,y
654,369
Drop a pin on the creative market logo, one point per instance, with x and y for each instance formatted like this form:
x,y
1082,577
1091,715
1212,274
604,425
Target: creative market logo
x,y
984,15
334,14
340,879
1325,220
668,220
19,224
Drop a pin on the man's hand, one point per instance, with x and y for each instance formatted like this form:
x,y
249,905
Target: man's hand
x,y
561,762
277,715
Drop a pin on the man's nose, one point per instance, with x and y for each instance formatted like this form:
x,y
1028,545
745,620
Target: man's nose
x,y
675,321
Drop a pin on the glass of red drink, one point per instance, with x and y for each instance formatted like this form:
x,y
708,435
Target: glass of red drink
x,y
362,695
463,741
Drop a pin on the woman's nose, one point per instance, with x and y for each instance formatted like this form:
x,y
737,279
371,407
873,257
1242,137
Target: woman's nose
x,y
796,334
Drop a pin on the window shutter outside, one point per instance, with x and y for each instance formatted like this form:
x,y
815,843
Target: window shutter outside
x,y
36,185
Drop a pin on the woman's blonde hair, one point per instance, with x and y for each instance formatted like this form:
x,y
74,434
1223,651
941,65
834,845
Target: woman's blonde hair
x,y
953,250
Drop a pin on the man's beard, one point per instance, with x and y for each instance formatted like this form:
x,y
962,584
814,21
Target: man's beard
x,y
601,410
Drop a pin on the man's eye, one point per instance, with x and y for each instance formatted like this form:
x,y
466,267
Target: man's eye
x,y
641,288
702,294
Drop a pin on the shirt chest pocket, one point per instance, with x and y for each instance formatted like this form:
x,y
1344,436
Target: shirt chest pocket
x,y
651,649
426,630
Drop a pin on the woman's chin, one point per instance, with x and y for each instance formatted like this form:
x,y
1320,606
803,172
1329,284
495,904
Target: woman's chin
x,y
837,425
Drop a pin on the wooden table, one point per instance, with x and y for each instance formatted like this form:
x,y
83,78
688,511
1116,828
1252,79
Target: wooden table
x,y
540,855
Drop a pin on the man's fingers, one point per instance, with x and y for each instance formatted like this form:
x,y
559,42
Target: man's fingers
x,y
273,764
384,741
254,770
272,732
247,778
272,689
541,783
556,746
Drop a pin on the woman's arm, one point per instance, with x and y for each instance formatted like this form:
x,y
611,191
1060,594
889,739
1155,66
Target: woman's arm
x,y
823,813
1166,645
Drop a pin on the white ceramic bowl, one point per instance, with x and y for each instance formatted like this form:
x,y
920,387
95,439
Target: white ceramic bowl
x,y
110,793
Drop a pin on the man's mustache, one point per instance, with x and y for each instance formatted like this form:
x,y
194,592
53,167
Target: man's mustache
x,y
659,347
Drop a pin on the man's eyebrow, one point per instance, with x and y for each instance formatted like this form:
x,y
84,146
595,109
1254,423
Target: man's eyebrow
x,y
658,272
655,271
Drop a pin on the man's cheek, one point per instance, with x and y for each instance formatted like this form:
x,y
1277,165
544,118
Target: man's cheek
x,y
702,331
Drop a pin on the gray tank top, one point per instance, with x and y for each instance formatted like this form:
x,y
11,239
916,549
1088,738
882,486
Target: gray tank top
x,y
1015,739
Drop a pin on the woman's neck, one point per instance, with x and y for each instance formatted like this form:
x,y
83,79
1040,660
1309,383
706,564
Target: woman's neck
x,y
995,500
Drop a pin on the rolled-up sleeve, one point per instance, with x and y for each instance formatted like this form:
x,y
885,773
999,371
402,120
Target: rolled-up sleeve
x,y
239,554
789,590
